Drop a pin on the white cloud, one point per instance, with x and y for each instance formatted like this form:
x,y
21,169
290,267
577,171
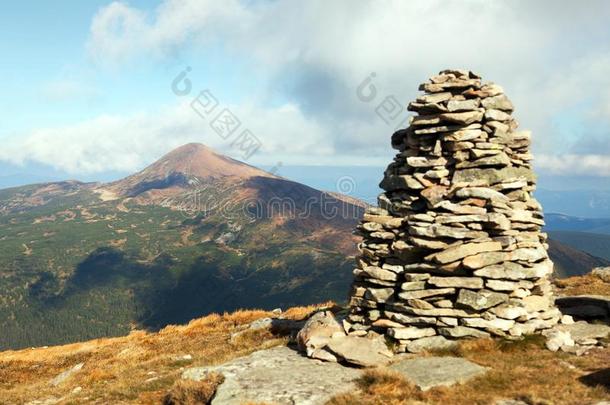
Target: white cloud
x,y
119,32
575,165
127,143
550,56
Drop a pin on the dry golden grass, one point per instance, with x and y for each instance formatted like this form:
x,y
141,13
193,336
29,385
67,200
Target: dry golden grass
x,y
186,392
136,369
518,370
582,285
381,387
145,368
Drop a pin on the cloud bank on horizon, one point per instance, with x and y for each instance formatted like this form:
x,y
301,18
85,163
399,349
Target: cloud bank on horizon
x,y
290,73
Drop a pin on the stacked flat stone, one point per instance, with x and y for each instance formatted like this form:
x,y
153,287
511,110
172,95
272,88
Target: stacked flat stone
x,y
454,248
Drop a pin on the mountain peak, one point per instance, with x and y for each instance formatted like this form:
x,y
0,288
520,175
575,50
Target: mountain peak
x,y
182,165
198,160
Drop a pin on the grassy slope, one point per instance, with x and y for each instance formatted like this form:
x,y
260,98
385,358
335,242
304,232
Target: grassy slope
x,y
142,367
136,369
77,268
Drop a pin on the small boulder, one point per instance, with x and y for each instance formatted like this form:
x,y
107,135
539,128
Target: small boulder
x,y
602,273
317,331
557,339
360,351
66,374
430,343
582,331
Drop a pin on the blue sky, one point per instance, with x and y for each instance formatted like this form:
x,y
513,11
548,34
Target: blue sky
x,y
87,85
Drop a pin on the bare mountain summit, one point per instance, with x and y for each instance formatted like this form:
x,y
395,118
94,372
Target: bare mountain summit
x,y
185,167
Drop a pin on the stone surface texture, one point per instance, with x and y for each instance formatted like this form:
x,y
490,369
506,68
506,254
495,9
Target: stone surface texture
x,y
456,240
279,376
430,372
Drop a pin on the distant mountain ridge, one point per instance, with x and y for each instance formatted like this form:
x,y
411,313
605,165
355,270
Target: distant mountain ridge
x,y
184,167
561,222
193,233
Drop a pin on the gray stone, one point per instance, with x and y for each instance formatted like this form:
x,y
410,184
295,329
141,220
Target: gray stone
x,y
430,343
458,282
426,293
463,331
491,325
529,254
263,323
378,294
497,159
434,194
464,117
434,98
464,135
421,304
582,330
411,320
509,312
509,286
441,231
447,321
455,253
380,274
514,271
489,177
478,300
499,102
429,372
460,209
484,259
413,285
66,374
410,332
557,339
390,183
602,272
360,351
317,331
457,313
462,105
278,375
536,303
420,161
481,192
497,115
428,243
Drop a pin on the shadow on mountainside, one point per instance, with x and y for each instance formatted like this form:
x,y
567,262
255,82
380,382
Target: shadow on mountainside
x,y
109,293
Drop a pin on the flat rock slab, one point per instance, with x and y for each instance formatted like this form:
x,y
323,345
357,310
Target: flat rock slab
x,y
582,330
280,376
360,351
429,372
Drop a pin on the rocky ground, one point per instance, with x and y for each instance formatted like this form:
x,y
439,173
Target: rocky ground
x,y
254,356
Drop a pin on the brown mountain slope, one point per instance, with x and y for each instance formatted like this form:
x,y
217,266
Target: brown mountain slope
x,y
572,262
187,166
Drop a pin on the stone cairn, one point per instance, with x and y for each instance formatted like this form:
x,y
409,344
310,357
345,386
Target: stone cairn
x,y
455,248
